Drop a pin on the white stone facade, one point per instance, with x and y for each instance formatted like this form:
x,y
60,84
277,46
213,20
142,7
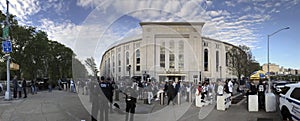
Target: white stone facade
x,y
168,51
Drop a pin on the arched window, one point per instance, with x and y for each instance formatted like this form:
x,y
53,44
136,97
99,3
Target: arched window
x,y
138,60
205,60
217,61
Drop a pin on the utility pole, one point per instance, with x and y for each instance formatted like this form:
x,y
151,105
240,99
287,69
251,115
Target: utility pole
x,y
6,50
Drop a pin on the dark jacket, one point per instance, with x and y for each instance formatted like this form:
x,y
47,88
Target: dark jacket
x,y
24,85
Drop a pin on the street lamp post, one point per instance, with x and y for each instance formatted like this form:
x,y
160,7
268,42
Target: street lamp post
x,y
269,80
6,37
270,98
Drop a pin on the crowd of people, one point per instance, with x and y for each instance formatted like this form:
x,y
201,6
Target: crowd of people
x,y
106,93
21,87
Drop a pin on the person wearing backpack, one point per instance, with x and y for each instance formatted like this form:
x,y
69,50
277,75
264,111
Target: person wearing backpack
x,y
261,94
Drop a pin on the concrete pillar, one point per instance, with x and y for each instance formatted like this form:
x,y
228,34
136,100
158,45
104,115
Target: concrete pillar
x,y
161,97
178,98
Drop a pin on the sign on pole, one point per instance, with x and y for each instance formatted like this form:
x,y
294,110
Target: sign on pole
x,y
6,46
5,32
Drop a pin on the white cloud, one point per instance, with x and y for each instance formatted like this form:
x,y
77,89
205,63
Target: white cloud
x,y
95,34
229,3
60,31
21,8
219,23
277,4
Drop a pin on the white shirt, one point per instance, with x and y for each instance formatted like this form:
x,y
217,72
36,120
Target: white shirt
x,y
230,86
220,89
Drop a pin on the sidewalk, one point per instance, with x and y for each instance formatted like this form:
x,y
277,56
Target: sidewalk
x,y
66,106
44,106
145,112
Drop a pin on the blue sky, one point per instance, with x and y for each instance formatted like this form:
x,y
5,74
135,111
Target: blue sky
x,y
90,26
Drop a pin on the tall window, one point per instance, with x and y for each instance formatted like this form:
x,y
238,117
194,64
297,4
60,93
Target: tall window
x,y
138,60
108,65
227,59
172,61
119,62
127,58
181,54
113,63
171,55
105,67
217,61
162,55
205,60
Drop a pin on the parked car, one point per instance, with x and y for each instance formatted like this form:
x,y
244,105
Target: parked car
x,y
289,102
278,85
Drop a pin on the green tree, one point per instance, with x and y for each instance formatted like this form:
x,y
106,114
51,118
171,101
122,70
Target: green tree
x,y
79,70
241,62
35,53
90,63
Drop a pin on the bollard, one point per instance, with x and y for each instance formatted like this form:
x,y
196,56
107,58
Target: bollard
x,y
161,96
187,97
178,98
65,87
145,97
190,97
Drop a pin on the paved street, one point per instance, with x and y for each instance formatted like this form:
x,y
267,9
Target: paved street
x,y
66,106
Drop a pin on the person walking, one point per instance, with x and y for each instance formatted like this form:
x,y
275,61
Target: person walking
x,y
105,97
15,85
261,94
177,88
59,84
204,91
1,88
20,89
188,90
150,93
111,89
72,86
24,85
95,93
32,87
230,87
130,99
220,90
170,92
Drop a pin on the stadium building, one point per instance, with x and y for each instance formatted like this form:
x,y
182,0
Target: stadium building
x,y
168,51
